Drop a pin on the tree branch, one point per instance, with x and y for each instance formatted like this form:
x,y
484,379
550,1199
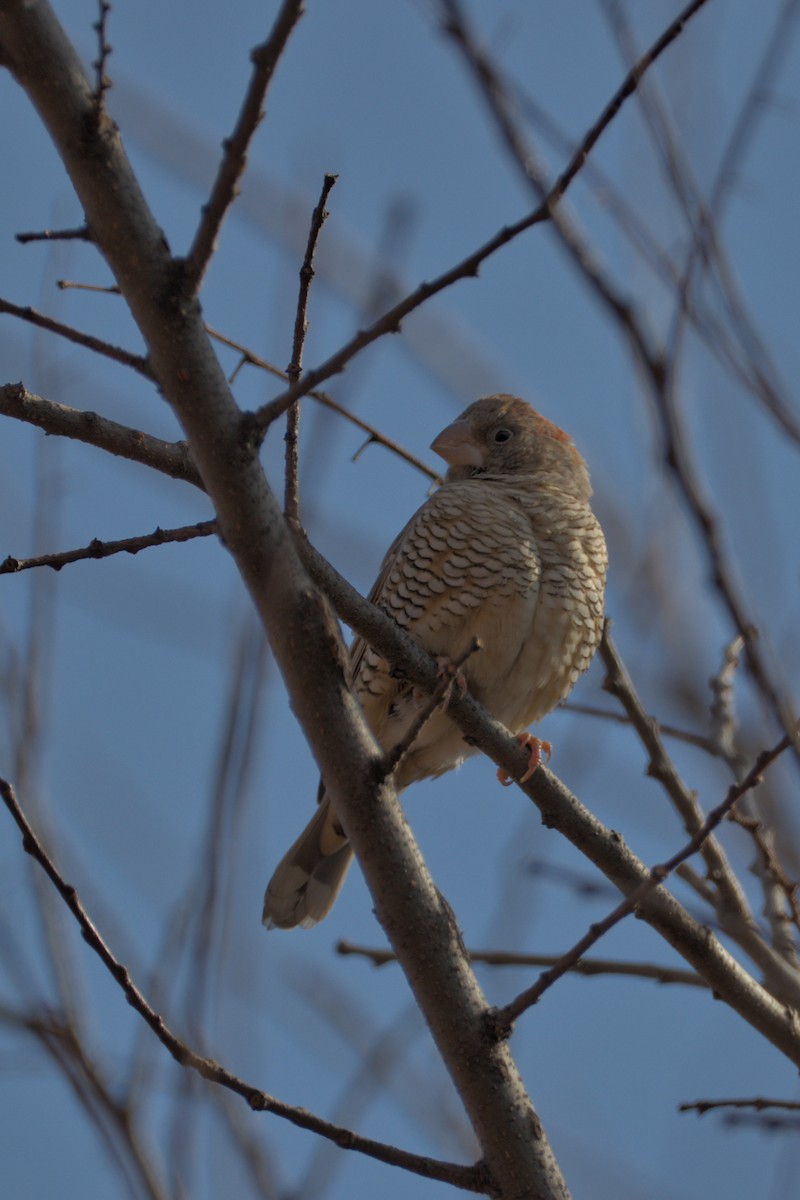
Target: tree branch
x,y
116,353
97,549
417,922
291,505
373,434
506,1016
589,967
171,458
469,1178
265,59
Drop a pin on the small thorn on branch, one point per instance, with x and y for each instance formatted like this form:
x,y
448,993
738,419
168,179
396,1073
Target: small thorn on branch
x,y
102,81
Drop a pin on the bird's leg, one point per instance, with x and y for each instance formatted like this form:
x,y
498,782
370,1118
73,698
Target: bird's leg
x,y
538,751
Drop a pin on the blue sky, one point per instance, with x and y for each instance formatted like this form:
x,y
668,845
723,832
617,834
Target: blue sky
x,y
136,653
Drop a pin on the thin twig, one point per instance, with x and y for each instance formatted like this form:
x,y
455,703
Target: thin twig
x,y
449,679
103,83
225,189
507,958
726,347
723,709
373,435
704,218
171,458
25,313
470,1178
97,549
759,1103
67,285
81,234
671,731
294,370
763,839
731,903
504,1018
781,907
679,463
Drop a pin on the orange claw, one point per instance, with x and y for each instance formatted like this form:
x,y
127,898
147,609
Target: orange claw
x,y
538,752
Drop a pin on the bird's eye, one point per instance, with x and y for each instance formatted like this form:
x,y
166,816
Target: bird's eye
x,y
502,435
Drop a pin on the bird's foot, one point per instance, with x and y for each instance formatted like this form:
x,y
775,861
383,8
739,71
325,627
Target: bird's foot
x,y
538,752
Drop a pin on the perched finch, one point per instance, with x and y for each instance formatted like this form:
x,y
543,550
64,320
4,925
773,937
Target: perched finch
x,y
507,551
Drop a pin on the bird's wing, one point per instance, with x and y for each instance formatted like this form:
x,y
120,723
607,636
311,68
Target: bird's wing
x,y
466,554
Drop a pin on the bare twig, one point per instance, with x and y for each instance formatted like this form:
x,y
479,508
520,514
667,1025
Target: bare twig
x,y
759,1103
726,346
171,458
25,313
374,435
704,218
97,549
469,1178
671,731
507,958
81,234
504,1018
103,83
291,506
69,285
678,460
731,904
265,59
723,712
442,692
764,842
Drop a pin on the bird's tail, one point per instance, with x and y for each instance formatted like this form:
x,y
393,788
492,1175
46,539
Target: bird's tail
x,y
308,878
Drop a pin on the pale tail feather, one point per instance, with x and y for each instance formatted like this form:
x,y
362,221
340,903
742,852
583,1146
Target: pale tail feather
x,y
308,878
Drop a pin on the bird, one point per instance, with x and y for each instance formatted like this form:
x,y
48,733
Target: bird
x,y
507,551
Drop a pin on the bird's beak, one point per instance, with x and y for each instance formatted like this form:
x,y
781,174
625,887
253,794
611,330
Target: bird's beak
x,y
457,446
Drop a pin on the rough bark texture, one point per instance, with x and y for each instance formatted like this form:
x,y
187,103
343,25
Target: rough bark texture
x,y
302,634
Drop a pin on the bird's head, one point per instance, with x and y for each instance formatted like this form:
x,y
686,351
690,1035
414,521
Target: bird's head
x,y
503,435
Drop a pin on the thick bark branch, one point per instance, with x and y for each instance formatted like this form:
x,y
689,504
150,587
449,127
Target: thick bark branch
x,y
302,633
172,458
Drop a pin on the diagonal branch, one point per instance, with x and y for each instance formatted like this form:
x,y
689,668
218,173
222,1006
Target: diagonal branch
x,y
265,59
97,549
416,920
171,458
117,353
374,435
469,1178
506,1016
